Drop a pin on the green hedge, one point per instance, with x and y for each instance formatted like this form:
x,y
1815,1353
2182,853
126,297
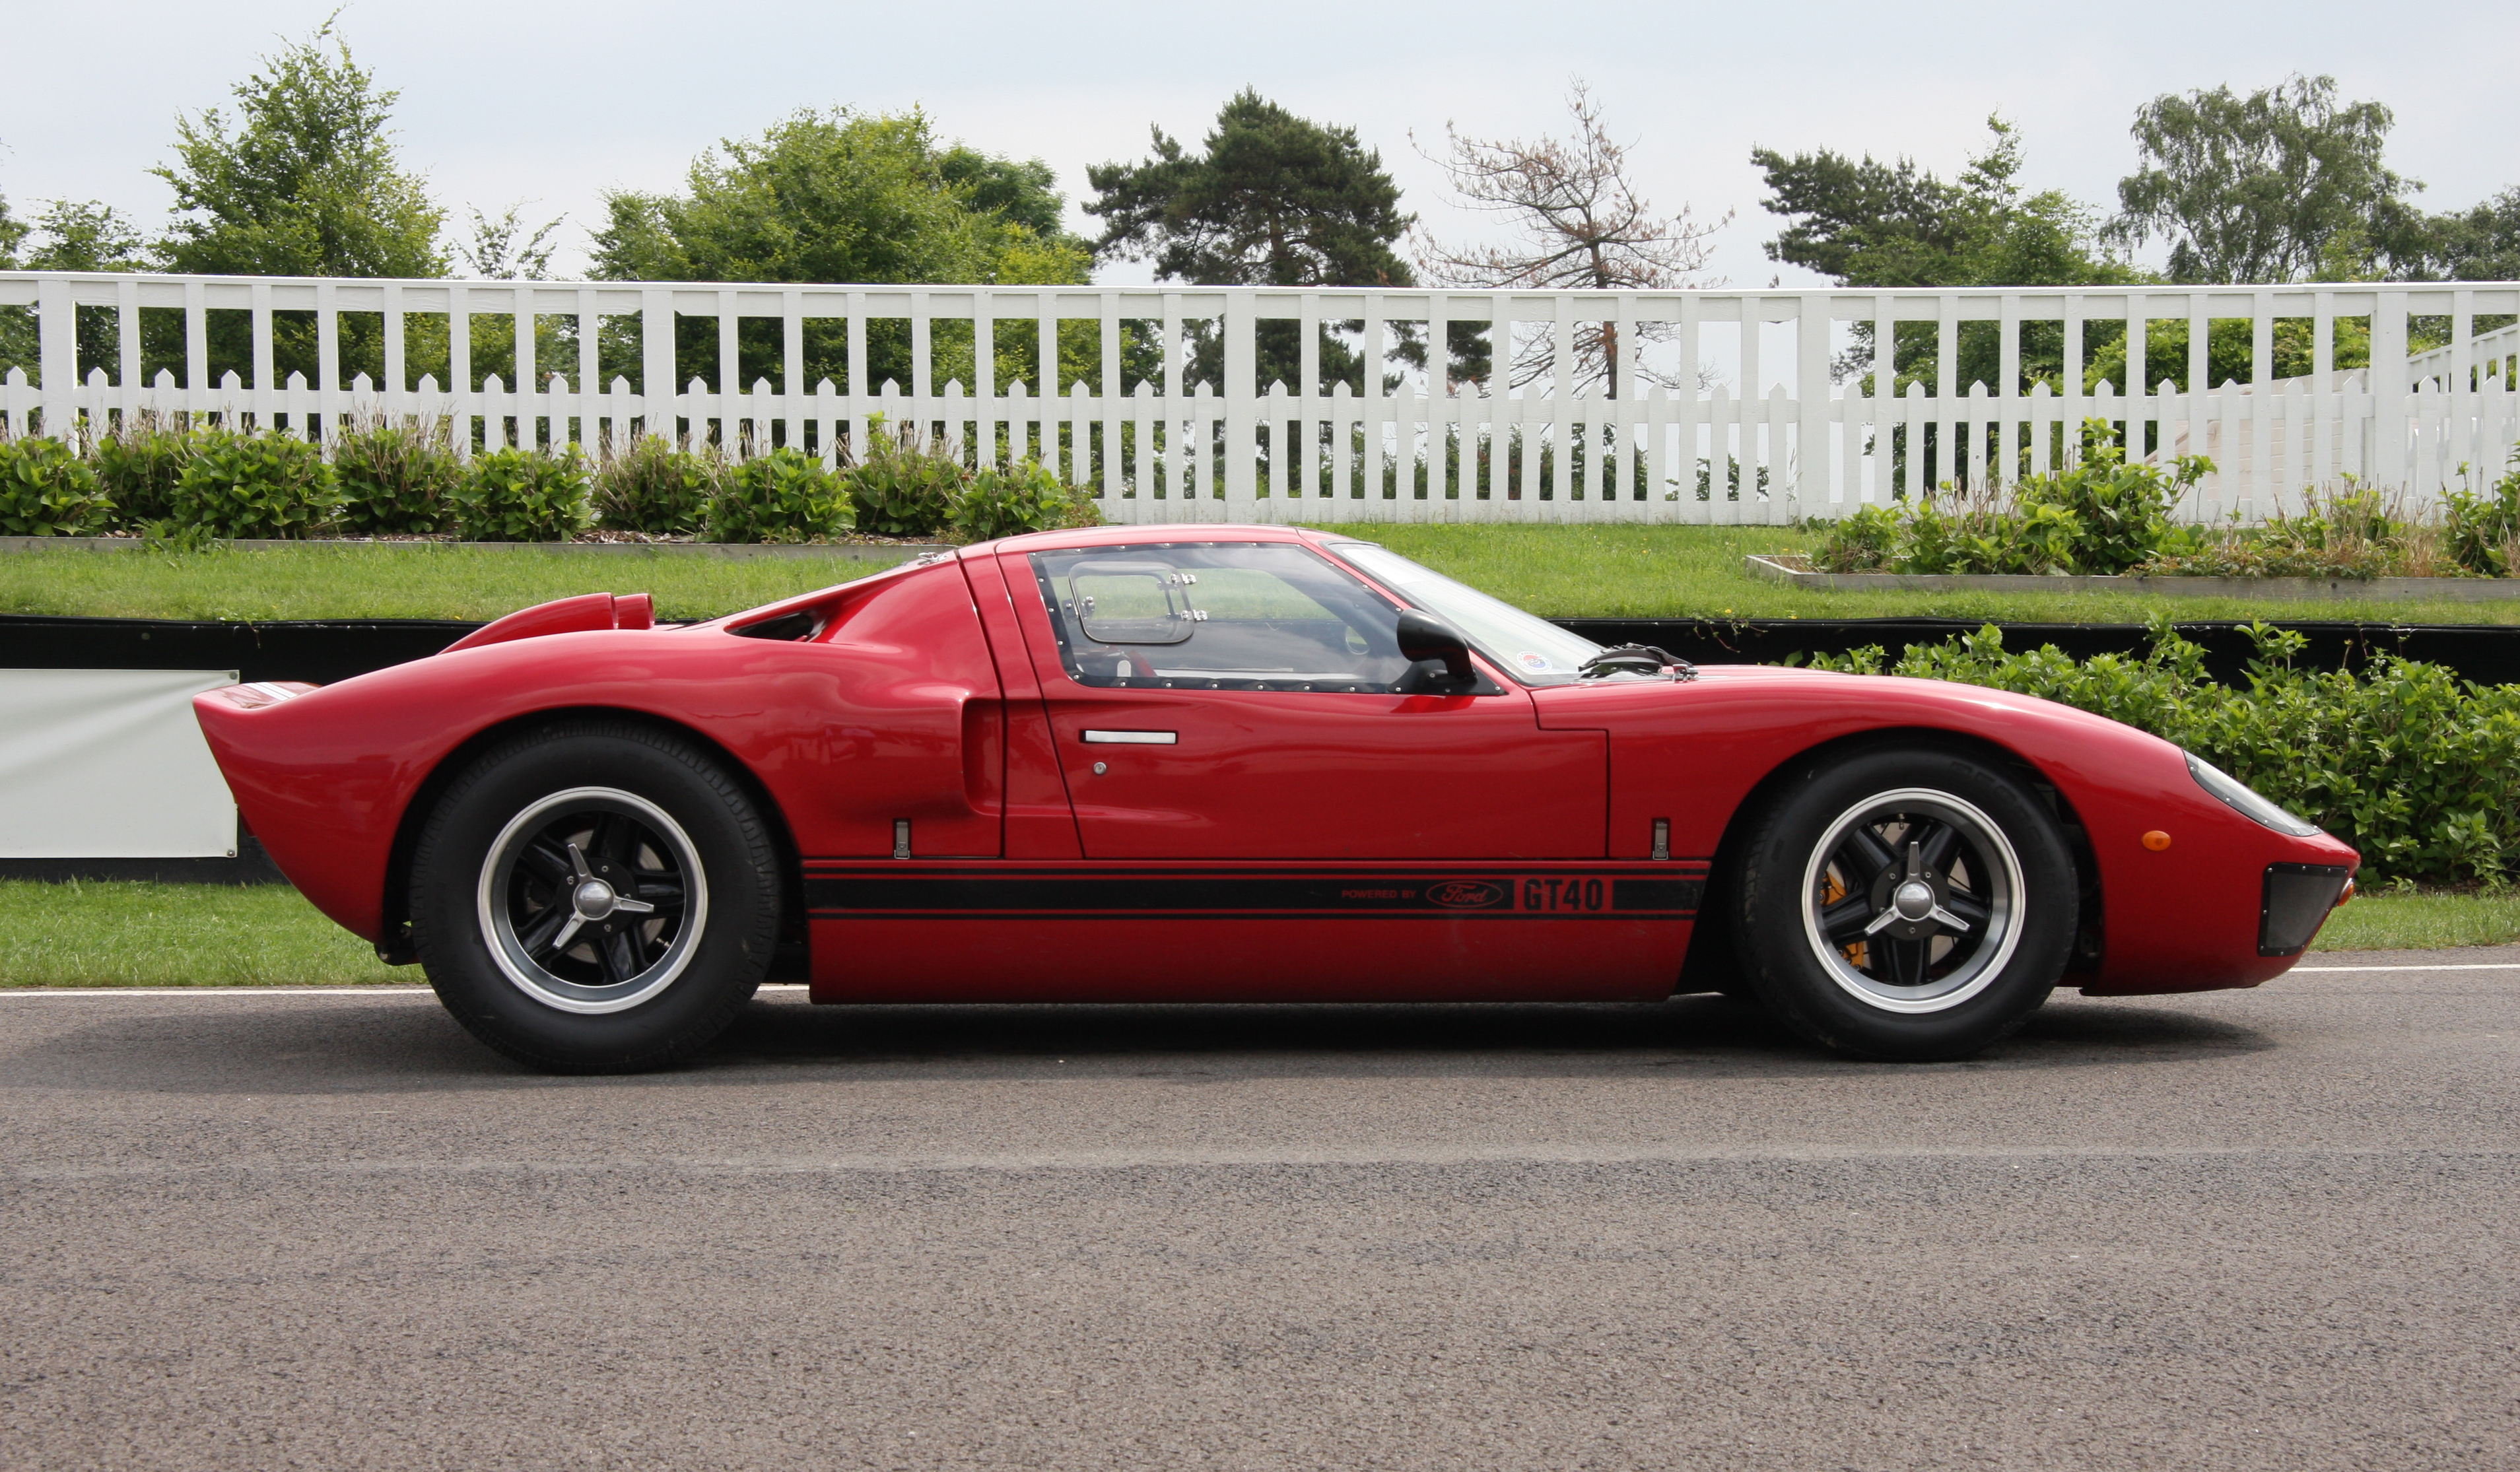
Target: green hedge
x,y
46,491
2101,517
2413,766
404,477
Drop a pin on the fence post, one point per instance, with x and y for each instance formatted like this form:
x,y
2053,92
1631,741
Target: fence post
x,y
861,392
266,377
2389,390
656,362
328,361
1241,388
57,358
1113,475
459,366
394,367
1812,482
126,292
529,374
196,347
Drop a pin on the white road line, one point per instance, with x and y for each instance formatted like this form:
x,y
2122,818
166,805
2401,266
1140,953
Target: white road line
x,y
354,989
2483,966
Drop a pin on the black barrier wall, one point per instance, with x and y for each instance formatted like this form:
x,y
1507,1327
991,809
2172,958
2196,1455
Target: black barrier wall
x,y
2487,653
323,652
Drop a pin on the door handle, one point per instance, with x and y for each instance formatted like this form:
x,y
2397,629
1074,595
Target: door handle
x,y
1131,738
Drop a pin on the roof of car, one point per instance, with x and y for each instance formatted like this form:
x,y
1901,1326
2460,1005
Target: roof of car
x,y
1145,534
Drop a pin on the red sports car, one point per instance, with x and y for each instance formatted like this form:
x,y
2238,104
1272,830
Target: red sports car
x,y
1233,764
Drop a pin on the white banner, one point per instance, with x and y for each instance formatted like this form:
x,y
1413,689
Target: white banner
x,y
110,763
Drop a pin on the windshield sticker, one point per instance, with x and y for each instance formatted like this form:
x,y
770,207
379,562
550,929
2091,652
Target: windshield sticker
x,y
1532,662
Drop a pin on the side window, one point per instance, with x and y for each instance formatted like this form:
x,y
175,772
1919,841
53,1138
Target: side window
x,y
1217,616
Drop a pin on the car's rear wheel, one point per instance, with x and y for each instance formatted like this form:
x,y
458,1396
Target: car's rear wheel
x,y
1905,903
595,896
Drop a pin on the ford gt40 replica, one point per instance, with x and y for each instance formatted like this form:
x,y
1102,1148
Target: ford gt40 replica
x,y
1231,764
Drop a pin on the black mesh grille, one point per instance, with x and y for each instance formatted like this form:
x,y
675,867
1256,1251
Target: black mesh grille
x,y
2298,897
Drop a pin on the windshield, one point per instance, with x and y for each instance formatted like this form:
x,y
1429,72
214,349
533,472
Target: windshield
x,y
1532,649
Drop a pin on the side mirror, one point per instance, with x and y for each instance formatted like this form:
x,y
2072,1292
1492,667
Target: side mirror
x,y
1426,641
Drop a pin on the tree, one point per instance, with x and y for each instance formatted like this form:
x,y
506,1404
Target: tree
x,y
302,181
2479,244
1870,224
1866,223
12,231
845,196
88,236
16,323
2255,189
1271,200
305,183
1583,227
495,253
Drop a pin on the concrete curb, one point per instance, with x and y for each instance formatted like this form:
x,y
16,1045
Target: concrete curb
x,y
2330,590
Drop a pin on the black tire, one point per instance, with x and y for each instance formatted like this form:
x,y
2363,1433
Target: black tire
x,y
528,884
1908,903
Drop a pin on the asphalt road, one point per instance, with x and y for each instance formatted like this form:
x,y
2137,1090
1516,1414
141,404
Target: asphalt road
x,y
2248,1230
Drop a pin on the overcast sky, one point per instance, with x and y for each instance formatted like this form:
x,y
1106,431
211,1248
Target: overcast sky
x,y
551,103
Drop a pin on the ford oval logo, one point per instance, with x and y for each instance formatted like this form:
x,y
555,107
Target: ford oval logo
x,y
1466,894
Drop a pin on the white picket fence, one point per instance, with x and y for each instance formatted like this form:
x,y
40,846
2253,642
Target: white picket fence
x,y
1421,450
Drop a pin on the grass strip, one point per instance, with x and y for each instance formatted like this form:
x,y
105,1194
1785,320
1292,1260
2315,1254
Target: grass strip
x,y
370,581
1557,571
137,934
127,934
1697,572
2388,921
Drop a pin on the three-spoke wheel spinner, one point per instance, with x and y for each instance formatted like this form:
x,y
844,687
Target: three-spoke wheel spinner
x,y
594,900
1913,901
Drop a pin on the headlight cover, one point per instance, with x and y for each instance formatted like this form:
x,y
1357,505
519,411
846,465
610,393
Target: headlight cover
x,y
2239,798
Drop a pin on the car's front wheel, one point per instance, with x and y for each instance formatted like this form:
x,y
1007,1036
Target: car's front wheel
x,y
595,896
1905,903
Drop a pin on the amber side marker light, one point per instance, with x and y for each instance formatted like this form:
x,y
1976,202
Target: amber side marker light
x,y
2156,840
2345,893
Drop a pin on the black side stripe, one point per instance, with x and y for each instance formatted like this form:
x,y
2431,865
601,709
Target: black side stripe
x,y
1432,894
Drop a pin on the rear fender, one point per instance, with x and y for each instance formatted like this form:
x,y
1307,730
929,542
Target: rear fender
x,y
395,902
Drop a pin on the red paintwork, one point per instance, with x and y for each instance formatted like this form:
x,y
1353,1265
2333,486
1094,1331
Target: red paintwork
x,y
934,692
1135,959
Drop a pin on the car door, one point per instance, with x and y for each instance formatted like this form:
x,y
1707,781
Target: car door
x,y
1239,700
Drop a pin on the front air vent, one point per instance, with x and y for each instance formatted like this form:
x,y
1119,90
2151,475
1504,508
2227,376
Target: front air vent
x,y
2295,901
799,625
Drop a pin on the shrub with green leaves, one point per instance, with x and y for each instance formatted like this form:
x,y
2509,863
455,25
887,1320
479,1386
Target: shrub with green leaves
x,y
252,483
2109,516
2413,766
140,464
656,487
783,496
2099,517
397,478
904,487
1027,496
517,495
47,491
2346,533
2484,526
